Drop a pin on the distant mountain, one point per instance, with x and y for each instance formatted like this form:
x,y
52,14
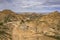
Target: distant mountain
x,y
29,26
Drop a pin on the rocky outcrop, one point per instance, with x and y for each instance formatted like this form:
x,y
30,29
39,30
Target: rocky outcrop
x,y
29,26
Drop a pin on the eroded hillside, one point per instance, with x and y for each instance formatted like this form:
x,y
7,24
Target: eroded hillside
x,y
29,26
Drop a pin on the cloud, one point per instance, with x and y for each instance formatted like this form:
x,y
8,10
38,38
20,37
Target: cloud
x,y
37,3
26,3
30,5
5,1
52,2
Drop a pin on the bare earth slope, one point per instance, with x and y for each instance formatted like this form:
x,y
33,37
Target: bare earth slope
x,y
29,26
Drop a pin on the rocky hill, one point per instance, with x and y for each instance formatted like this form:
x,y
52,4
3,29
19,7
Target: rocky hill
x,y
29,26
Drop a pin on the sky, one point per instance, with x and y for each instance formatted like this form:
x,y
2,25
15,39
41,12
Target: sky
x,y
30,5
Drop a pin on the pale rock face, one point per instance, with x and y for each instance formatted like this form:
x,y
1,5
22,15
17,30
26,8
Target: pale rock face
x,y
32,27
29,33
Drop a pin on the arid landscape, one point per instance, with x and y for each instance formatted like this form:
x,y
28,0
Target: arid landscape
x,y
29,26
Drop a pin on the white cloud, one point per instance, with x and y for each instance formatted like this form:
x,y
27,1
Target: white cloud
x,y
29,4
48,6
36,3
